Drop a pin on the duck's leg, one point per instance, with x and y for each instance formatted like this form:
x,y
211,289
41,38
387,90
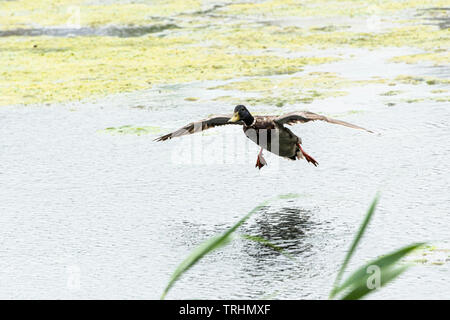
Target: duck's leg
x,y
260,161
307,156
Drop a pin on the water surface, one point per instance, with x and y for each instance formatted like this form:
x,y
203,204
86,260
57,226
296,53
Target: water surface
x,y
123,210
90,213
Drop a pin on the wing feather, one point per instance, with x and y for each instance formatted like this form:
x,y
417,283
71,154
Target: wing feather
x,y
306,116
198,126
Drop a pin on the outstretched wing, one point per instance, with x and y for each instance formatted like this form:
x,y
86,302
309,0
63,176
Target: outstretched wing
x,y
305,116
193,127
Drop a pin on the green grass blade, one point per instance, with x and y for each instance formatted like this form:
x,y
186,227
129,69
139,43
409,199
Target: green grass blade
x,y
358,237
385,264
267,244
198,253
207,247
362,289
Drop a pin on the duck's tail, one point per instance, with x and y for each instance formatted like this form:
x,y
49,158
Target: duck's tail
x,y
301,153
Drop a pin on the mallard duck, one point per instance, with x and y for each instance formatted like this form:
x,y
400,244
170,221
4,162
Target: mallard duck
x,y
268,132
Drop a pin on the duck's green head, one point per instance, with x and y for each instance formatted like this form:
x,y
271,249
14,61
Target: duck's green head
x,y
241,113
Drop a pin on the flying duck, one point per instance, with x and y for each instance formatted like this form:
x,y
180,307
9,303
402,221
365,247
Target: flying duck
x,y
268,132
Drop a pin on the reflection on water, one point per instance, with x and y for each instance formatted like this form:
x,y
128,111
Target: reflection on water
x,y
285,227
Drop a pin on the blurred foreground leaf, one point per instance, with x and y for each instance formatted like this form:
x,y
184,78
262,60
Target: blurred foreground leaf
x,y
207,247
358,237
374,274
386,268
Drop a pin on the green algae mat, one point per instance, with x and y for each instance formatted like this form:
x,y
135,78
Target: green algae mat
x,y
56,51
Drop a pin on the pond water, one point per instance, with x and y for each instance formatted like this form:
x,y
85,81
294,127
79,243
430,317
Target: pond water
x,y
89,212
121,211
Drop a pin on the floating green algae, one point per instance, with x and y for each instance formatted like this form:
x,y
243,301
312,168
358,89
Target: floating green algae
x,y
391,93
415,80
45,69
301,97
437,91
326,8
48,69
302,89
132,130
251,37
441,99
438,99
436,58
311,80
416,100
329,28
430,255
26,13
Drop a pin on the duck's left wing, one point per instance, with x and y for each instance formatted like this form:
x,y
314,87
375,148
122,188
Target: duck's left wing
x,y
306,116
198,126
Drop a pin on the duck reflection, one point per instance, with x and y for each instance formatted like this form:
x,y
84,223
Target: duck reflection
x,y
285,227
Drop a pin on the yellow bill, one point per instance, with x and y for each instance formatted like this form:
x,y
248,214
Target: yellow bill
x,y
235,117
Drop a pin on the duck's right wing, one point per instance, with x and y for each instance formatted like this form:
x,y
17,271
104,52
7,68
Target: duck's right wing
x,y
198,126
